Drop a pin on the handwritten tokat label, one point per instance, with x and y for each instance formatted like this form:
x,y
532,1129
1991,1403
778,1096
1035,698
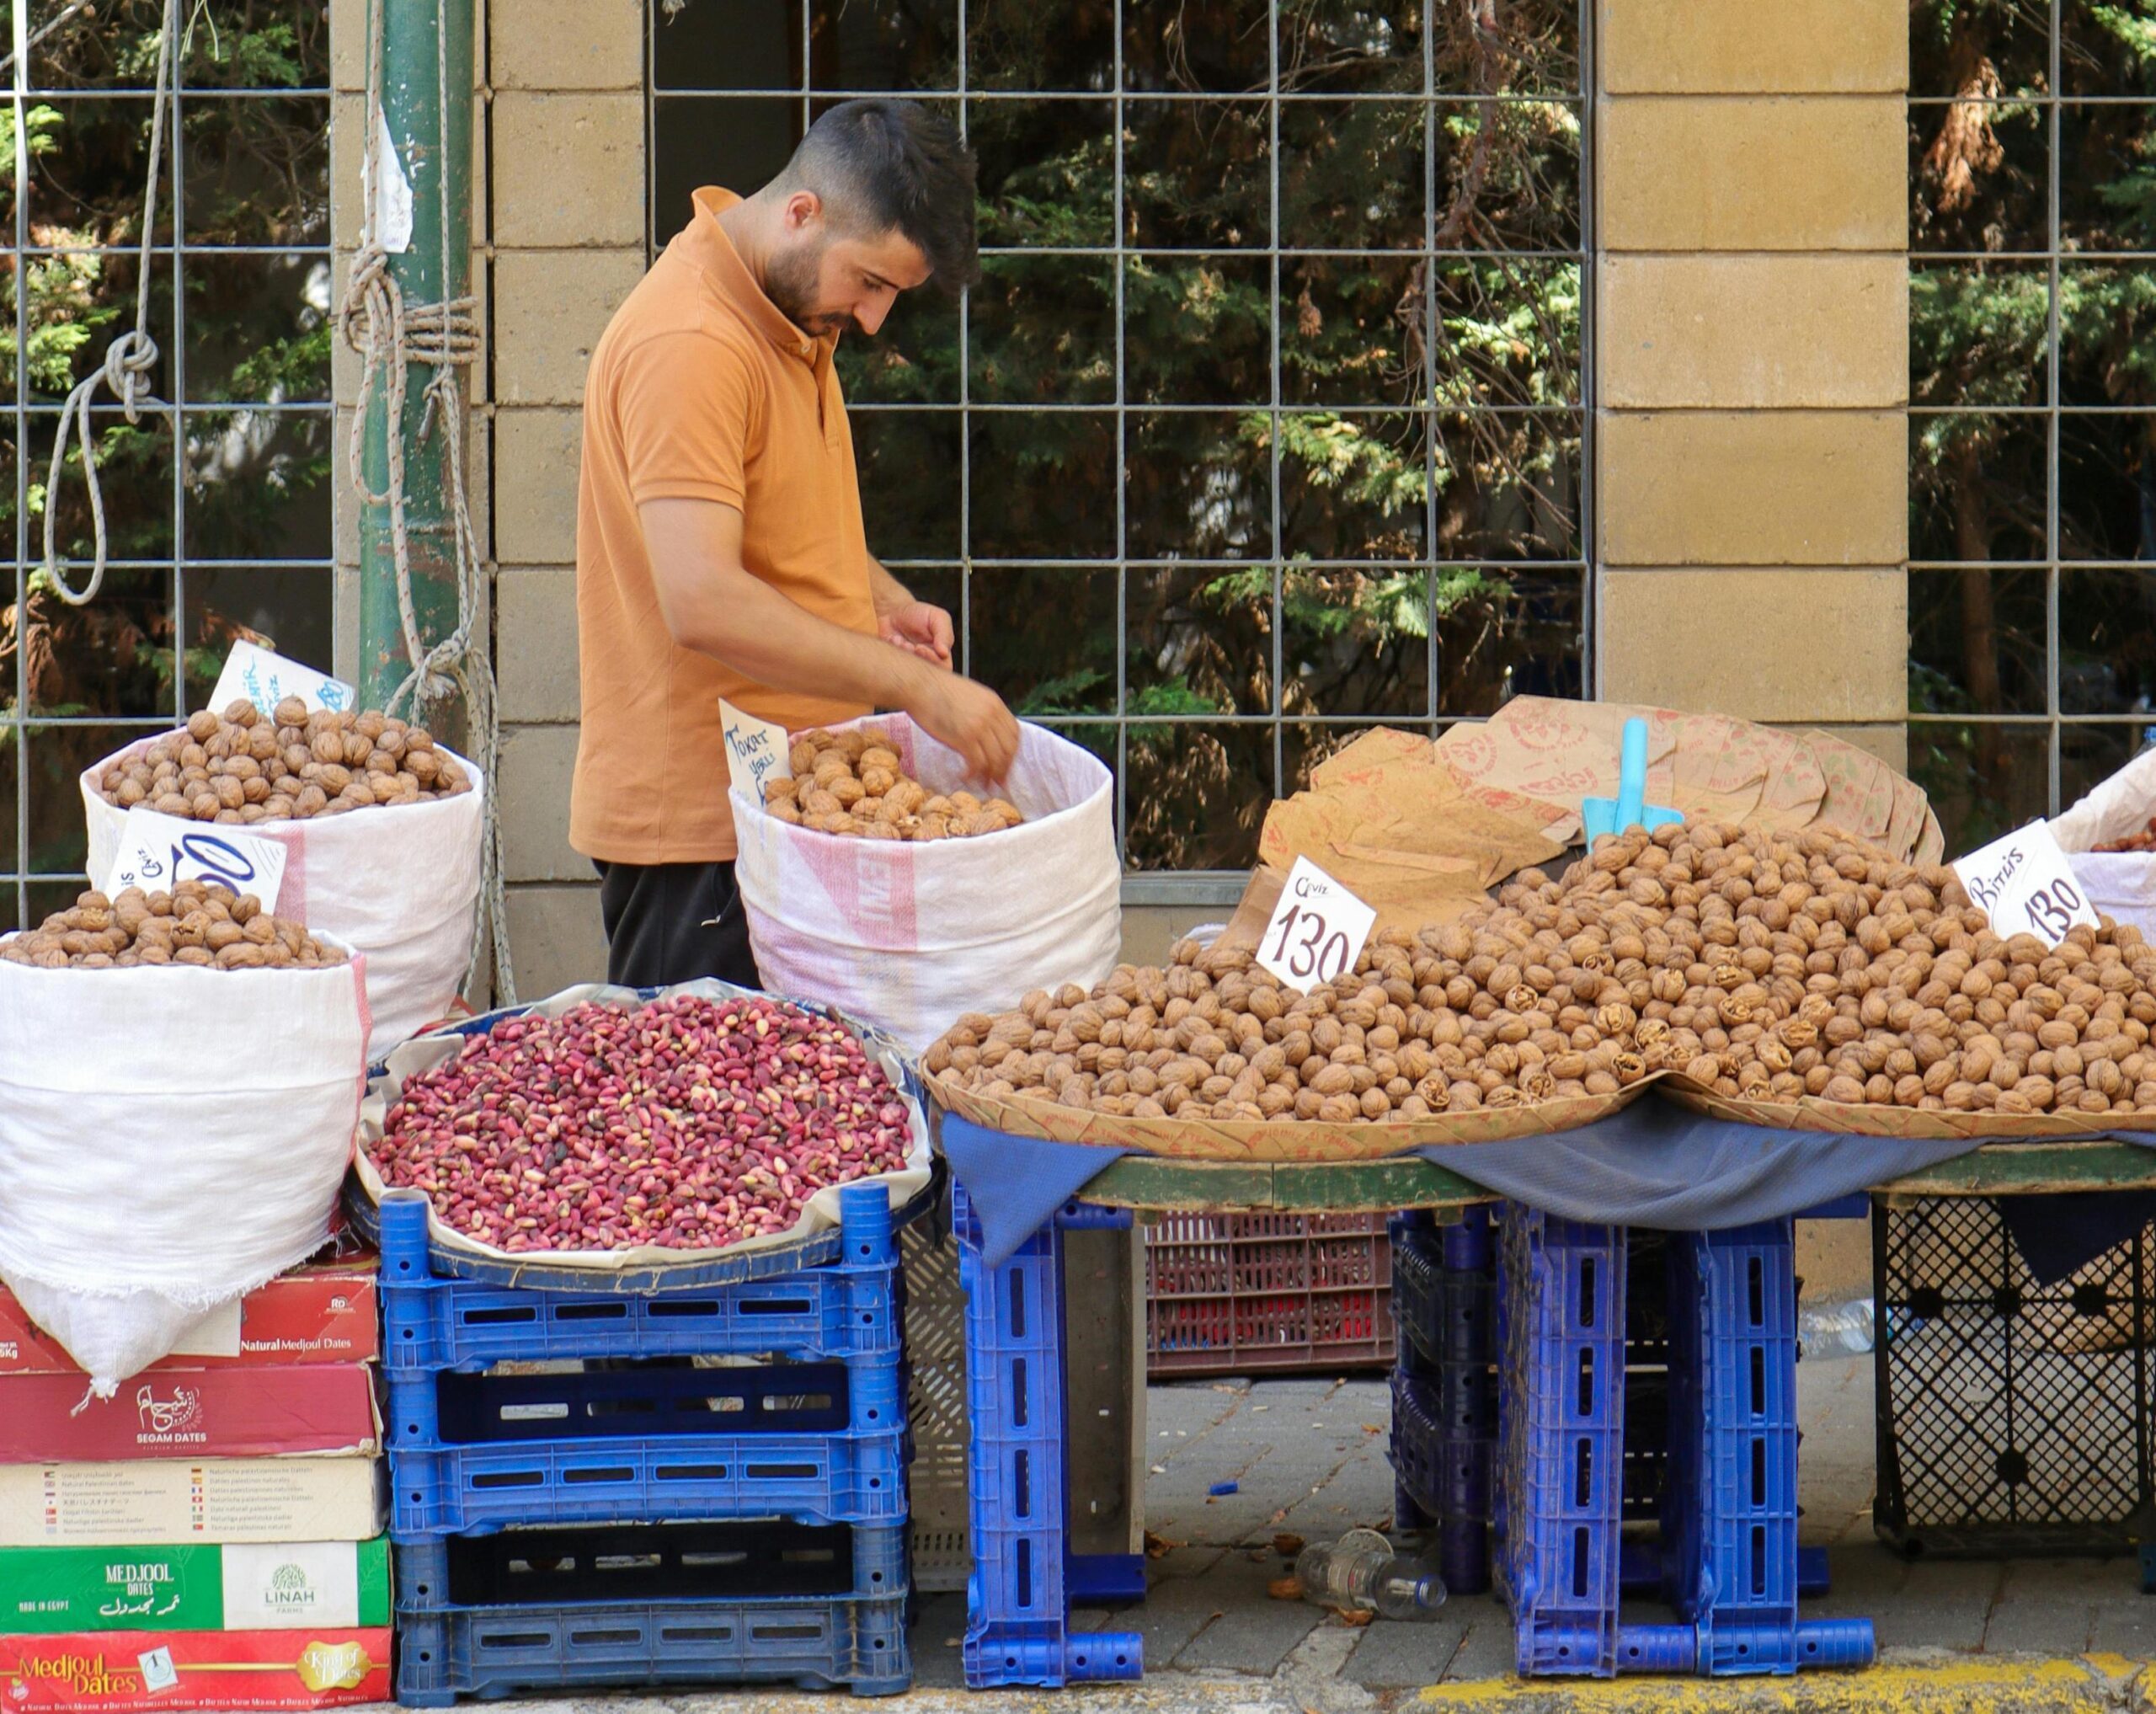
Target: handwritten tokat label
x,y
2025,884
265,678
755,749
1316,930
157,852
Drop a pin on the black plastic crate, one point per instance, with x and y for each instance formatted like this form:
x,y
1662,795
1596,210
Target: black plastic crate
x,y
650,1563
2013,1418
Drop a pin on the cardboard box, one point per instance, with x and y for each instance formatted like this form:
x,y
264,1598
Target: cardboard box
x,y
116,1671
270,1586
167,1499
321,1314
197,1414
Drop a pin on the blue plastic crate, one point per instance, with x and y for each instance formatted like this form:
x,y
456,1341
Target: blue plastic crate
x,y
1731,1564
818,1479
1018,1626
818,1643
1446,1474
1560,1457
1444,1316
847,1308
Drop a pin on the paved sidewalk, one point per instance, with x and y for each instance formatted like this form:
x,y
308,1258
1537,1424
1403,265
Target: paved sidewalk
x,y
1309,1457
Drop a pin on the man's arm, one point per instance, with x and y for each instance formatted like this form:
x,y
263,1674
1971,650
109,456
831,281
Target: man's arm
x,y
888,594
918,627
713,605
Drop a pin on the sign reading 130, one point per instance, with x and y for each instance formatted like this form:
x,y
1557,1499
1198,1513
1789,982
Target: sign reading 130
x,y
1316,930
157,851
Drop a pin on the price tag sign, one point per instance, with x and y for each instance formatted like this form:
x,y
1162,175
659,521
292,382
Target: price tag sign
x,y
755,749
157,852
2025,884
1316,930
265,678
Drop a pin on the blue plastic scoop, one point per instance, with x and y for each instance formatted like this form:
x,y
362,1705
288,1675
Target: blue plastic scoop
x,y
1629,809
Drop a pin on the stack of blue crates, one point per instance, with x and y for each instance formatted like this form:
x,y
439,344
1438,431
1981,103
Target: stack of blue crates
x,y
1729,1560
1025,1576
1444,1392
597,1511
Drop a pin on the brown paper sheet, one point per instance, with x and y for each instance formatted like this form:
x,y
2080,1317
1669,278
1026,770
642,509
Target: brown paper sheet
x,y
1394,825
1294,1140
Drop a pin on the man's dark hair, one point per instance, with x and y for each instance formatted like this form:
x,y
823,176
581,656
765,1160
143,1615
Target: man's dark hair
x,y
878,165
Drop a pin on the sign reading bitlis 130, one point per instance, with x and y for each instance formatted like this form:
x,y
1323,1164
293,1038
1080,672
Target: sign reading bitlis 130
x,y
2023,884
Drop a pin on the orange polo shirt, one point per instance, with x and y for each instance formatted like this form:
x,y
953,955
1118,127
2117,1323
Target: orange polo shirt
x,y
700,389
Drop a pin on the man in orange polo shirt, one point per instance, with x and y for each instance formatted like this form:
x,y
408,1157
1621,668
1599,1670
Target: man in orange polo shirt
x,y
720,551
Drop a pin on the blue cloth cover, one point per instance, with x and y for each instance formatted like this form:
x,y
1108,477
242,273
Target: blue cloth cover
x,y
1654,1164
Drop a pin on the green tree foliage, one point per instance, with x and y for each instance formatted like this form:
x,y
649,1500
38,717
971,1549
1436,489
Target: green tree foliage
x,y
1335,558
1981,346
250,475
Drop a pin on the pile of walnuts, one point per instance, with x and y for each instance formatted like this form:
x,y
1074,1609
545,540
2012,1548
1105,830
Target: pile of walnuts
x,y
292,765
2144,840
193,924
850,783
1770,966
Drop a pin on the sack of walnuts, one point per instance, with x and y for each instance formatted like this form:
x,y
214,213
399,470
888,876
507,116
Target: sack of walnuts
x,y
905,934
395,876
2110,841
172,1130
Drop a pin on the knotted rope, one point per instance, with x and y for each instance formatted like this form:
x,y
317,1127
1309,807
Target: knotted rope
x,y
130,357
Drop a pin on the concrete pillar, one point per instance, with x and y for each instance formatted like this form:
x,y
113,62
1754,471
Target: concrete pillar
x,y
1752,339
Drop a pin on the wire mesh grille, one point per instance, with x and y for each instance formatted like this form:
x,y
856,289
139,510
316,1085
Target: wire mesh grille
x,y
2012,1416
220,508
2032,442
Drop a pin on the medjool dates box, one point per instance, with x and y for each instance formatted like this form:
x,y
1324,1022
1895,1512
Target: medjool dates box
x,y
270,1586
120,1671
191,1413
317,1314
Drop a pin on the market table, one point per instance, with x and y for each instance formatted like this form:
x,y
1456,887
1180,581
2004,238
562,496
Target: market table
x,y
1236,1187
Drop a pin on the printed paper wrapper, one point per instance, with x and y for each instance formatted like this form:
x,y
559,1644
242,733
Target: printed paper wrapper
x,y
1551,753
426,1051
1290,1140
1867,798
1864,1119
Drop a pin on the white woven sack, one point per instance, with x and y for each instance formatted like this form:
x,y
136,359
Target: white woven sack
x,y
170,1139
2120,885
399,882
821,1210
906,936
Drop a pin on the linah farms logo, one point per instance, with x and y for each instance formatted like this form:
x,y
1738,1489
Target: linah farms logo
x,y
84,1675
290,1591
173,1420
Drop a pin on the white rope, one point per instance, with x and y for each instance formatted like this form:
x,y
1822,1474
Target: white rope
x,y
130,358
390,336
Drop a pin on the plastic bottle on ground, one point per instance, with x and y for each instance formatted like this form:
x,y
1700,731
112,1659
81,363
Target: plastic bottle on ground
x,y
1361,1570
1836,1330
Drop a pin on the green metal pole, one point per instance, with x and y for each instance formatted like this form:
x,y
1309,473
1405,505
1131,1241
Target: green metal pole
x,y
426,46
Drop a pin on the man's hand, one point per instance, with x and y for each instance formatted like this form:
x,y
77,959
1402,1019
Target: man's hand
x,y
919,628
969,718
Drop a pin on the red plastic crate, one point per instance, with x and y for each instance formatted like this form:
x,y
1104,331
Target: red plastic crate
x,y
1230,1293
